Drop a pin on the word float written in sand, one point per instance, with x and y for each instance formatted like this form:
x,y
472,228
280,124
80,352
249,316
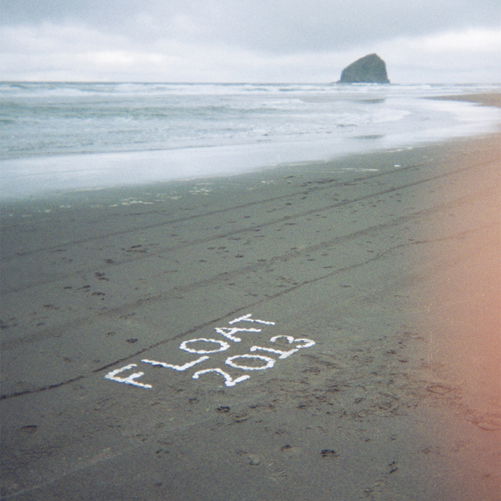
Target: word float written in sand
x,y
259,358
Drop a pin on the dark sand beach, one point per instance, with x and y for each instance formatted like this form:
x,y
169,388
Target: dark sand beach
x,y
372,350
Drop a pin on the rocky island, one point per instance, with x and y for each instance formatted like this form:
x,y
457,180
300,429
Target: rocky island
x,y
368,69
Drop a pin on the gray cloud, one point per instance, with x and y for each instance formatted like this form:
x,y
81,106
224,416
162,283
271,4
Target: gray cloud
x,y
275,26
247,40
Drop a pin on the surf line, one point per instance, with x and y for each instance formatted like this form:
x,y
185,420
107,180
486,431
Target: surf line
x,y
283,347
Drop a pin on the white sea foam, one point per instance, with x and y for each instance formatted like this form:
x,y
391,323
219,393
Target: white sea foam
x,y
59,136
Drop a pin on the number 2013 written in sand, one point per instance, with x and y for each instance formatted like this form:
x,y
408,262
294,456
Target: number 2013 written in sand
x,y
260,358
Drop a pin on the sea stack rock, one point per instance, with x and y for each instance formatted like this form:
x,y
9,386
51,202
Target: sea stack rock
x,y
368,69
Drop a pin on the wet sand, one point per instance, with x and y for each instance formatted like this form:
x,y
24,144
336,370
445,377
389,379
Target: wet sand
x,y
372,357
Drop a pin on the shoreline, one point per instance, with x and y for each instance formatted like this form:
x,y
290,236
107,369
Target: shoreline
x,y
372,257
47,176
485,99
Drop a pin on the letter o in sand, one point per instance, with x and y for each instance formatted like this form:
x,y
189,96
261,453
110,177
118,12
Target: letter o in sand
x,y
269,362
222,345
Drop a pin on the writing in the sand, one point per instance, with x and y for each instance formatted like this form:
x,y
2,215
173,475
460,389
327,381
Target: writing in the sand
x,y
259,358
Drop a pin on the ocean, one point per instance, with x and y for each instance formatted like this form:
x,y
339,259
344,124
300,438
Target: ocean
x,y
79,136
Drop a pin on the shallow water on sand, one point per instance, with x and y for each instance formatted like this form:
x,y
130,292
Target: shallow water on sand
x,y
63,136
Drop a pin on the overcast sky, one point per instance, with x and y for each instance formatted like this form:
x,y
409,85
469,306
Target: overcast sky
x,y
248,40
